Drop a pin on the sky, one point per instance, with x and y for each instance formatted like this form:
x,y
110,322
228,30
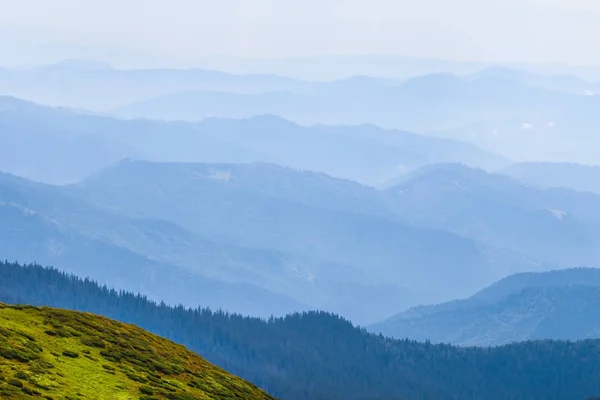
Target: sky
x,y
183,32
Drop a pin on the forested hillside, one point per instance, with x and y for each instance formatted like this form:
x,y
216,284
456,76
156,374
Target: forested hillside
x,y
321,356
561,304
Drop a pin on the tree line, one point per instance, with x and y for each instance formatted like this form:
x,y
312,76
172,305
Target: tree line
x,y
321,356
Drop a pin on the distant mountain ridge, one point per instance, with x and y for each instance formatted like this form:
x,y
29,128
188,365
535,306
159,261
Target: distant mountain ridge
x,y
530,306
317,241
237,269
557,225
520,114
557,278
67,146
423,103
42,223
362,234
70,83
585,178
513,113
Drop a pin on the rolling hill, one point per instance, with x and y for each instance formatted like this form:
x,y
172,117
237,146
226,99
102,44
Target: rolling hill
x,y
46,352
320,356
560,305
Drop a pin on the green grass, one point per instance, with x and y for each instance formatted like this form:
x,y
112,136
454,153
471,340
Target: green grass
x,y
56,354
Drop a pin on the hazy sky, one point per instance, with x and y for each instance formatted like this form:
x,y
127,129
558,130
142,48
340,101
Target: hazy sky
x,y
178,32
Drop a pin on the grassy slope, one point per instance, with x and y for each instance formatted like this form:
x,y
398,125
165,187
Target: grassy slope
x,y
58,354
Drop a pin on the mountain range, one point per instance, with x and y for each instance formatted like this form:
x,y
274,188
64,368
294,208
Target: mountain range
x,y
65,146
41,223
330,67
517,114
520,114
166,261
559,305
362,233
97,86
309,239
289,238
305,238
68,83
260,231
422,104
557,225
507,112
